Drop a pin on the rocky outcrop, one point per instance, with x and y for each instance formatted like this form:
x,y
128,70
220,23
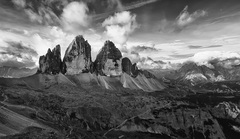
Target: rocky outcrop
x,y
77,57
182,121
51,63
108,61
134,70
126,65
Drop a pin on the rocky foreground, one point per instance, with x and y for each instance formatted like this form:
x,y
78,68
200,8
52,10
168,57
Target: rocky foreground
x,y
110,98
90,111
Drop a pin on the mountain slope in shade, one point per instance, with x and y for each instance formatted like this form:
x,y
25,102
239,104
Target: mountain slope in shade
x,y
41,81
12,72
12,122
67,111
141,82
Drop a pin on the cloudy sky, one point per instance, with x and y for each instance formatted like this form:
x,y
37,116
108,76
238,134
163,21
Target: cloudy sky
x,y
159,30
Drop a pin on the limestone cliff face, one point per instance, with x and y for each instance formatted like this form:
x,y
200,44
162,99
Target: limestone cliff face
x,y
77,57
51,63
126,65
134,70
108,61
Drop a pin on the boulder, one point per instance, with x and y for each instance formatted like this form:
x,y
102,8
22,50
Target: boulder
x,y
108,61
51,63
77,57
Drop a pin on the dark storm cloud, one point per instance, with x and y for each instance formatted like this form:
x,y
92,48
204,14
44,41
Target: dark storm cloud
x,y
144,49
181,55
213,46
17,64
194,47
18,49
201,47
18,55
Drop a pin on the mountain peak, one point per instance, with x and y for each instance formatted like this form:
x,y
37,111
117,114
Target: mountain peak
x,y
108,60
77,57
51,63
80,38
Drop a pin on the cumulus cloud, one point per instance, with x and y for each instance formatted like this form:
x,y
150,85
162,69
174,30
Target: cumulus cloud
x,y
75,16
206,58
133,56
18,49
149,63
56,36
11,61
17,54
228,63
119,26
185,18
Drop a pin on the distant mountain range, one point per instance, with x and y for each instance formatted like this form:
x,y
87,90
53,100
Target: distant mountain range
x,y
192,73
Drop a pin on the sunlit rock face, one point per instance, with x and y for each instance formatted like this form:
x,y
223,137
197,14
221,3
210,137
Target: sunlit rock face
x,y
77,57
51,63
108,61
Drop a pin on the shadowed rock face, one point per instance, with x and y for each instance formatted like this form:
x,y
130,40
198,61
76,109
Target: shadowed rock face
x,y
77,57
51,63
108,61
134,70
126,65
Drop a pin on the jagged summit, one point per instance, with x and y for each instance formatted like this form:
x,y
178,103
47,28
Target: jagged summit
x,y
51,63
127,65
77,57
108,60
